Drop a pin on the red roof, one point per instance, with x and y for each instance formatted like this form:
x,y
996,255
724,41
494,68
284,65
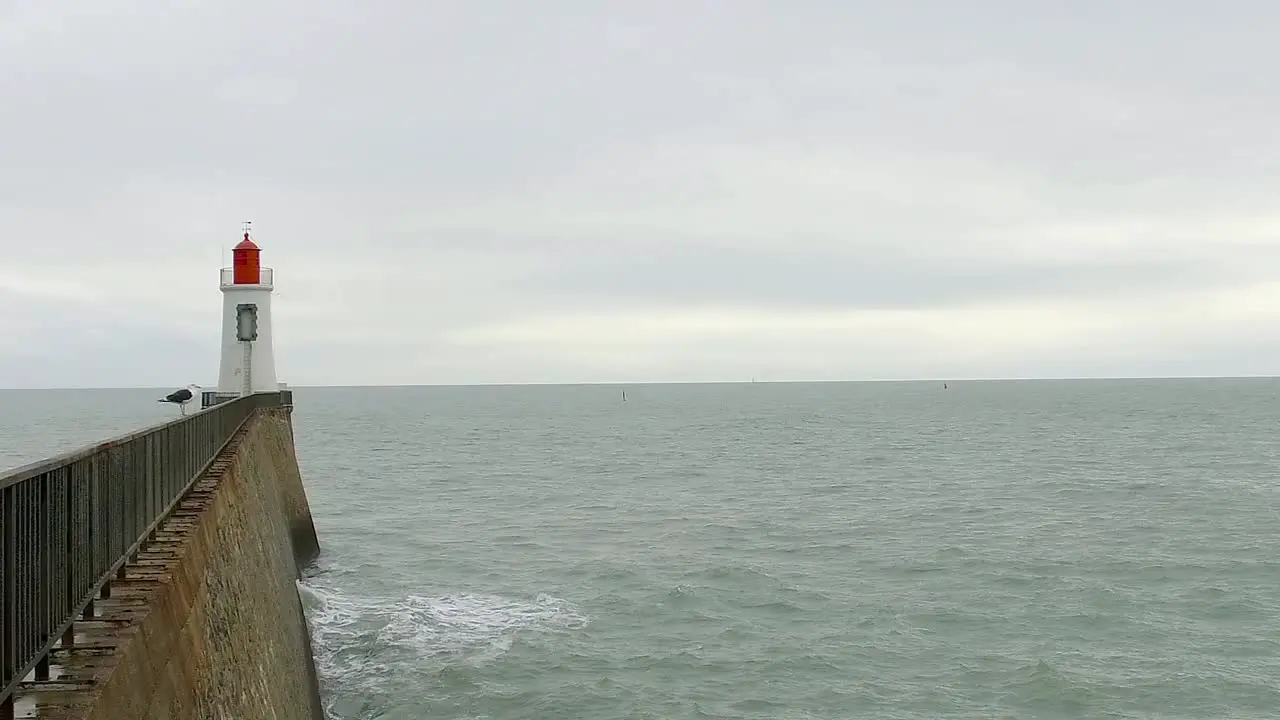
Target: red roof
x,y
246,244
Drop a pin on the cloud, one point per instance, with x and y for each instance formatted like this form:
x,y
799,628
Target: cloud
x,y
899,343
584,191
57,339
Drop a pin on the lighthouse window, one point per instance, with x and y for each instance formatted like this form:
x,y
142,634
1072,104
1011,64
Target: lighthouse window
x,y
246,322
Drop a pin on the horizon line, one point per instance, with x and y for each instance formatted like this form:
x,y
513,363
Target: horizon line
x,y
615,383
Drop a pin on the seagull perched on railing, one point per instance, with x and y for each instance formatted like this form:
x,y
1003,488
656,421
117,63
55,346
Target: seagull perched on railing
x,y
181,397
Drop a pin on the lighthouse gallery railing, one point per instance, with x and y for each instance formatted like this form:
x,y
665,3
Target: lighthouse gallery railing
x,y
69,524
266,276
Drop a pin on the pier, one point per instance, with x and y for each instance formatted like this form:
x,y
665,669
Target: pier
x,y
153,575
82,535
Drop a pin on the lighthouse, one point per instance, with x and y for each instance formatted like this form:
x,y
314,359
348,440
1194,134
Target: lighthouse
x,y
248,356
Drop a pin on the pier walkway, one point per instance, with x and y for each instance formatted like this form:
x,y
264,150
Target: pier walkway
x,y
70,525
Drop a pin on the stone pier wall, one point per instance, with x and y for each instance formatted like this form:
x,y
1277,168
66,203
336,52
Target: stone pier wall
x,y
207,624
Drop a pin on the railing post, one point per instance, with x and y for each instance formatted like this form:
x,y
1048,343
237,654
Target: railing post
x,y
74,493
44,557
8,588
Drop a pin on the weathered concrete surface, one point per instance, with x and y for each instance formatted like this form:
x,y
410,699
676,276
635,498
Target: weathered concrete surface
x,y
297,511
207,623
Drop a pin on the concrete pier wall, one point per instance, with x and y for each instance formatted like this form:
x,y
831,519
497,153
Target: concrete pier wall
x,y
207,624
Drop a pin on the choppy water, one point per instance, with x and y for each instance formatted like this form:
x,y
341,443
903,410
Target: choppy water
x,y
1003,549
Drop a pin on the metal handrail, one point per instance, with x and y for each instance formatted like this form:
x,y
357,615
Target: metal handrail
x,y
68,524
266,277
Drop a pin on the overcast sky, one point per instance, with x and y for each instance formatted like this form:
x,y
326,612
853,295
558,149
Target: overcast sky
x,y
583,190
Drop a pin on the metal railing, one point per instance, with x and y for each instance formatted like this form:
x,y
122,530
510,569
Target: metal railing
x,y
70,523
266,276
209,398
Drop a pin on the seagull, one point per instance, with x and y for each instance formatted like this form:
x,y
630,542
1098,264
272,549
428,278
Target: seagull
x,y
181,397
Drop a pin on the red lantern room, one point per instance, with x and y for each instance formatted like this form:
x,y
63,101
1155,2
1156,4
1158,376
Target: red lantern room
x,y
246,266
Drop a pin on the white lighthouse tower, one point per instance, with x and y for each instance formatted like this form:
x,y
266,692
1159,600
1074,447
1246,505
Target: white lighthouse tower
x,y
248,356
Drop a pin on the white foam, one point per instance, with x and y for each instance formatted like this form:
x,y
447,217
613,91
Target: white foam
x,y
361,640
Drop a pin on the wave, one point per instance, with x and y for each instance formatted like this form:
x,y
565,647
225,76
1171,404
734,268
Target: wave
x,y
364,642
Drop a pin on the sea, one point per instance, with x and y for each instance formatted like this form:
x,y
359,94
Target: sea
x,y
994,549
